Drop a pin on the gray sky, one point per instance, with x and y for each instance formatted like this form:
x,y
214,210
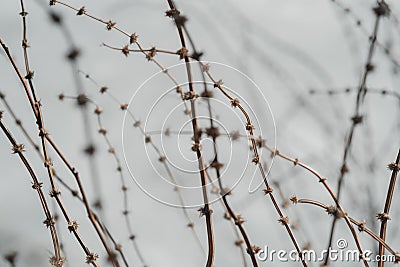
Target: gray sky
x,y
284,47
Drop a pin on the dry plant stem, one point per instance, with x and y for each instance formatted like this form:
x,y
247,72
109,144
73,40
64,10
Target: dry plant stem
x,y
36,108
329,190
42,132
239,241
361,225
388,202
356,119
249,127
72,226
206,210
236,220
49,222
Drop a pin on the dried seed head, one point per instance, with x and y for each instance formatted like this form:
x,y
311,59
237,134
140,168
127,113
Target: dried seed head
x,y
196,55
235,102
172,13
111,150
239,242
357,119
394,167
31,73
256,160
98,111
218,84
72,226
49,222
52,2
147,139
213,132
61,96
369,67
190,225
205,67
189,96
382,9
196,147
235,135
253,250
207,94
183,52
227,216
102,131
110,24
1,114
81,11
103,89
344,169
18,148
90,150
383,217
37,185
125,50
180,20
226,191
73,54
216,164
249,127
82,100
361,226
123,106
152,52
294,199
133,38
284,220
268,190
132,237
55,18
136,124
91,258
239,220
57,262
206,211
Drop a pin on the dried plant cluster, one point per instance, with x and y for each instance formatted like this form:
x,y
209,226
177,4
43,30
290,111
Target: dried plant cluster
x,y
94,212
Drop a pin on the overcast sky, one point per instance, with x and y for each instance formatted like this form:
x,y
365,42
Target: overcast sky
x,y
270,54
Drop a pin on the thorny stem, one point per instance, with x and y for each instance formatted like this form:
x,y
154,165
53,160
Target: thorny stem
x,y
36,108
324,182
360,225
237,220
72,226
206,210
389,196
357,118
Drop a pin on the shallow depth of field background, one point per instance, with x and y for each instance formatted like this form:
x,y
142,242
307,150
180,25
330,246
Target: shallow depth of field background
x,y
286,47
